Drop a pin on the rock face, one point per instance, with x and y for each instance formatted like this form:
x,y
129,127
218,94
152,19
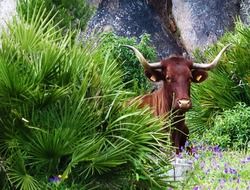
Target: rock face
x,y
198,23
245,11
94,2
7,10
202,22
194,23
134,18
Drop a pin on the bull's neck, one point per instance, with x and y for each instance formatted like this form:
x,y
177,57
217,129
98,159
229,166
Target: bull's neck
x,y
166,97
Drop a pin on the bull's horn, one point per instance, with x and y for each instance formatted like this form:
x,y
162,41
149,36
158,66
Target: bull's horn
x,y
208,66
143,61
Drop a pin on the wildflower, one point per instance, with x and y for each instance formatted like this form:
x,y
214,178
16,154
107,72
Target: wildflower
x,y
196,188
196,156
186,144
54,179
179,155
246,160
238,180
208,170
216,149
182,149
232,171
226,170
222,182
202,164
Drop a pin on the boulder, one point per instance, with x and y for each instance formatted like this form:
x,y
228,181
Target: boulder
x,y
7,10
245,11
95,3
201,22
134,18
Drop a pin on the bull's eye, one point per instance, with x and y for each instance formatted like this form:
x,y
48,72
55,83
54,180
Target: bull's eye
x,y
168,79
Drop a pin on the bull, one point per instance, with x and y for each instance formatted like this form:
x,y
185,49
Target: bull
x,y
177,73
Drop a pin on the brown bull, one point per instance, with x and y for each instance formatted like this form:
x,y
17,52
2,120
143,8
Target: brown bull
x,y
177,73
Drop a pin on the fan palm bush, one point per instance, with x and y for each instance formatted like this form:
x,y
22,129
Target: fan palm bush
x,y
64,120
227,85
68,14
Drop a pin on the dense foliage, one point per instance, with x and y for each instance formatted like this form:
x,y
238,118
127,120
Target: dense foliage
x,y
227,85
134,77
67,14
64,119
231,129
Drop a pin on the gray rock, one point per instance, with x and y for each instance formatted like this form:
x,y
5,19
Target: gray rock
x,y
95,3
245,11
7,11
163,9
202,22
133,18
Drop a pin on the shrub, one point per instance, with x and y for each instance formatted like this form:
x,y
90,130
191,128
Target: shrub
x,y
227,84
67,14
133,73
231,128
63,123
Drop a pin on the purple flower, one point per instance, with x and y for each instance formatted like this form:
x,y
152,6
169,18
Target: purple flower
x,y
222,182
216,149
215,164
232,171
196,188
246,160
207,171
202,164
226,170
54,179
238,180
187,144
179,155
196,156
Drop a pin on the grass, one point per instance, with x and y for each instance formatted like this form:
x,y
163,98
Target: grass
x,y
214,169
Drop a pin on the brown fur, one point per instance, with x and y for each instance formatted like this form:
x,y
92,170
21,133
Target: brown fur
x,y
176,75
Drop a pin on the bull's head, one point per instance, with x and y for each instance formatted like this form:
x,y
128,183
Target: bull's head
x,y
177,73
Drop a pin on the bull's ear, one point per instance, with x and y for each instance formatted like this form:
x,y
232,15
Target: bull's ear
x,y
154,76
199,75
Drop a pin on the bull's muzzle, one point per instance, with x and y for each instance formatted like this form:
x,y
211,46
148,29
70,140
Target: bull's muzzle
x,y
184,104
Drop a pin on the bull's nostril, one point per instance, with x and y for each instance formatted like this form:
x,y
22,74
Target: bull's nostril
x,y
184,103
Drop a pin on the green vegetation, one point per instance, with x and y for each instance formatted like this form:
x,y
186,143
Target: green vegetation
x,y
134,77
220,118
72,14
227,85
65,122
231,129
214,168
64,119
